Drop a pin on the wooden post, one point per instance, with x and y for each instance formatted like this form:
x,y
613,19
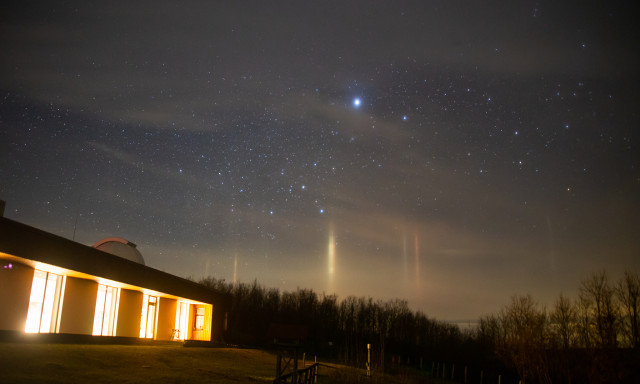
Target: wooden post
x,y
315,373
368,360
465,375
499,378
295,367
453,370
481,376
433,363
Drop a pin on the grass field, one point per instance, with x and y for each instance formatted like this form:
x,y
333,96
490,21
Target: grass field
x,y
161,363
73,363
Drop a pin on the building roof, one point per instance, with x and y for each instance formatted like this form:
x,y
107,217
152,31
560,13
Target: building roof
x,y
23,241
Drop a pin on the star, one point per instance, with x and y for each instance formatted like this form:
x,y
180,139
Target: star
x,y
357,102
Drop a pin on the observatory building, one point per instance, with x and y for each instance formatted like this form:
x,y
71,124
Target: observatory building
x,y
49,284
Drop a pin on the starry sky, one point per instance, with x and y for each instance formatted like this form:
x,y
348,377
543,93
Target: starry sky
x,y
450,153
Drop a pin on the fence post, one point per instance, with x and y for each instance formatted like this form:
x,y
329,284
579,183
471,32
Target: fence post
x,y
453,370
481,376
295,367
465,375
499,378
368,359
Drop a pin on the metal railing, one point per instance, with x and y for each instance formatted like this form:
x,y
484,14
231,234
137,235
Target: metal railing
x,y
306,375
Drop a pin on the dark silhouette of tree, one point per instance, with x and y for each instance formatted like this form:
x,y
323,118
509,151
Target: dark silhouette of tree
x,y
563,320
584,327
524,324
563,324
596,292
628,293
584,340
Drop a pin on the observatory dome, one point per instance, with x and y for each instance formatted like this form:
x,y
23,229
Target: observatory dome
x,y
120,247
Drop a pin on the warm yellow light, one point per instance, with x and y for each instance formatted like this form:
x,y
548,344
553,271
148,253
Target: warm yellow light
x,y
148,318
182,321
331,253
417,259
235,270
143,317
105,317
35,302
44,303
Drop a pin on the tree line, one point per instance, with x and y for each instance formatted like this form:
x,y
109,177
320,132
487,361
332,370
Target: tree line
x,y
592,338
337,329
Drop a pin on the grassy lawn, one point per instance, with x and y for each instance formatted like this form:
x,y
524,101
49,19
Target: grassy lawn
x,y
161,363
73,363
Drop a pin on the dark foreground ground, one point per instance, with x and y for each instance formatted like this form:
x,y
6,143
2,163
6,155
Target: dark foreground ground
x,y
72,363
157,363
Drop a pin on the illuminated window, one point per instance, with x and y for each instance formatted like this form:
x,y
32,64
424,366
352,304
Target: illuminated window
x,y
182,321
148,319
199,323
44,303
104,321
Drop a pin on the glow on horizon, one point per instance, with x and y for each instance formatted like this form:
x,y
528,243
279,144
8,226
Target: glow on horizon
x,y
235,269
404,257
417,260
331,254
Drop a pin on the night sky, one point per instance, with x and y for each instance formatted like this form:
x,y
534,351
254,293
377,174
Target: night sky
x,y
450,153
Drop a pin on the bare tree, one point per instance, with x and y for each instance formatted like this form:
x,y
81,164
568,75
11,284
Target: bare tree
x,y
584,324
563,322
628,293
524,323
596,291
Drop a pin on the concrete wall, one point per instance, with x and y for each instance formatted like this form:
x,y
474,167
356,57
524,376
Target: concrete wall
x,y
166,318
78,306
129,313
15,291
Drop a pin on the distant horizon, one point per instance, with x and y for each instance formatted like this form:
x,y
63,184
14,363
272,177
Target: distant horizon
x,y
462,323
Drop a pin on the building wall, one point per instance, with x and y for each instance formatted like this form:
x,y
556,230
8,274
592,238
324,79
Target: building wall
x,y
129,313
218,323
78,306
15,291
200,334
166,318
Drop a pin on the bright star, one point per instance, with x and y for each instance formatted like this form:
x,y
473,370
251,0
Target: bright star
x,y
356,102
